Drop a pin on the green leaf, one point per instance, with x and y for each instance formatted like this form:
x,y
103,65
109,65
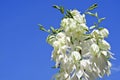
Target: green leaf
x,y
50,37
101,19
93,7
100,28
56,67
52,28
48,30
54,31
55,6
41,27
93,27
96,14
96,24
60,8
88,38
59,30
92,14
68,14
53,67
71,40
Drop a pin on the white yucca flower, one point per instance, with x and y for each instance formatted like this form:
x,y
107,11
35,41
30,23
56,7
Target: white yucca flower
x,y
95,33
104,32
94,49
79,53
76,55
104,45
78,17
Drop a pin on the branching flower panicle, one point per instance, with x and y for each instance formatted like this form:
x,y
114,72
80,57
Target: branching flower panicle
x,y
80,52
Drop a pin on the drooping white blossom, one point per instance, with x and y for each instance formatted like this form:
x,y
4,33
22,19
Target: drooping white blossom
x,y
94,49
104,32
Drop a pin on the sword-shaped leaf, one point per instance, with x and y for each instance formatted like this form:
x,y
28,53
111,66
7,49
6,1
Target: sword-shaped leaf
x,y
93,7
60,8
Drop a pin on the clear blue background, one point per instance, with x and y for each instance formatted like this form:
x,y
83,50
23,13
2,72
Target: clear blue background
x,y
24,53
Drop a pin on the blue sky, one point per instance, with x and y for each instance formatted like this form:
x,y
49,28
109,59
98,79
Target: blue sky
x,y
24,53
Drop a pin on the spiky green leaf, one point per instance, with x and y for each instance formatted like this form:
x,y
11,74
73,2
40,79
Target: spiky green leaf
x,y
93,7
93,27
52,28
88,38
41,27
101,28
60,8
56,6
101,19
68,14
92,14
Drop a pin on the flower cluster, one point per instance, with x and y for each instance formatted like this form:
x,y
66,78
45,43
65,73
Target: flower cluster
x,y
80,53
